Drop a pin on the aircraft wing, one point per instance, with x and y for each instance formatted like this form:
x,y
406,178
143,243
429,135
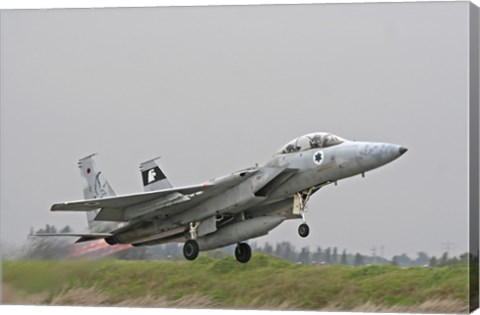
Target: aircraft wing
x,y
124,200
126,207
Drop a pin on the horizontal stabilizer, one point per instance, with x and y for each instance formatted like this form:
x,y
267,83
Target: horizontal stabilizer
x,y
90,235
84,237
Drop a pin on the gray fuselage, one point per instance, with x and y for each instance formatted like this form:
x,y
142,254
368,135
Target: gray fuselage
x,y
268,193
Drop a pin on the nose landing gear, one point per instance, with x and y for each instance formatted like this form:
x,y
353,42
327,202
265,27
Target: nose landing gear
x,y
303,197
303,230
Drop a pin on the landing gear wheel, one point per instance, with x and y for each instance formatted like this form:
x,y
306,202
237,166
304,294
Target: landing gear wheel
x,y
243,252
303,230
190,249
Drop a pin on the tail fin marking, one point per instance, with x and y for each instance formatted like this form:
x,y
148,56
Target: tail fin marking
x,y
96,187
153,177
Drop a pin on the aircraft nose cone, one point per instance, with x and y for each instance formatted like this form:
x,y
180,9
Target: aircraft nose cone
x,y
371,155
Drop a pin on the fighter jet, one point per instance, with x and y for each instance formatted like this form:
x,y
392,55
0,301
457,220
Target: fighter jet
x,y
227,210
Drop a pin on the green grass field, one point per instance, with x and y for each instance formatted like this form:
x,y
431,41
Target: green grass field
x,y
264,283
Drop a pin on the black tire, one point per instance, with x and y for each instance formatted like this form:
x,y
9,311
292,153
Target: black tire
x,y
303,230
190,249
243,252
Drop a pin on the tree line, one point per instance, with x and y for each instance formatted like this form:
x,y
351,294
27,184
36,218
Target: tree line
x,y
62,247
334,256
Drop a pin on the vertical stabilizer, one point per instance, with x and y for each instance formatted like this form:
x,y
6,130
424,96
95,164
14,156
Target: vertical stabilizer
x,y
96,186
152,176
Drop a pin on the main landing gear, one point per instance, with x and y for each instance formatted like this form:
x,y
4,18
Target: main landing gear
x,y
303,196
190,248
243,252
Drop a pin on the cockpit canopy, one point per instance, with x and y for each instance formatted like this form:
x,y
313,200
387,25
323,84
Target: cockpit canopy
x,y
311,141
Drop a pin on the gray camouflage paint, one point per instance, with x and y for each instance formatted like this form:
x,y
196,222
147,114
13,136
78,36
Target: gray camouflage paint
x,y
251,206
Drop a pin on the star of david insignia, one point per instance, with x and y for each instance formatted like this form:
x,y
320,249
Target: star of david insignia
x,y
318,157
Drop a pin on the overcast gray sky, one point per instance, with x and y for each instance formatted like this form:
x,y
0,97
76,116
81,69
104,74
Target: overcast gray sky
x,y
216,89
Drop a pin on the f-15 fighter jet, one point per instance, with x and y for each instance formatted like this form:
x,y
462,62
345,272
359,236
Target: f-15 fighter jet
x,y
227,210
